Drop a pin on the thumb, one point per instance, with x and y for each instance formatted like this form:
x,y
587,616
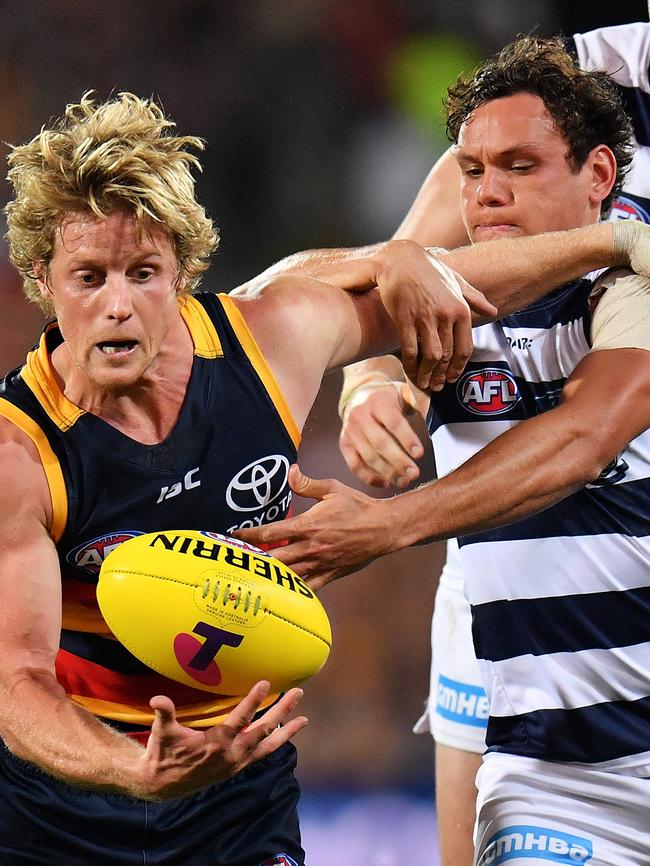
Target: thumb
x,y
310,488
164,710
162,726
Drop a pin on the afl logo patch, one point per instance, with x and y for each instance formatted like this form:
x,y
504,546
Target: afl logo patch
x,y
235,542
491,391
258,484
625,208
90,555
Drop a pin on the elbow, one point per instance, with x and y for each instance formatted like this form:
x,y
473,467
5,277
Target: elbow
x,y
15,678
595,462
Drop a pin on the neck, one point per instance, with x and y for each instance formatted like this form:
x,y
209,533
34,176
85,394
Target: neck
x,y
146,410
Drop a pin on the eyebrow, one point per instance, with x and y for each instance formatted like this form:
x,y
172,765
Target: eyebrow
x,y
523,146
80,262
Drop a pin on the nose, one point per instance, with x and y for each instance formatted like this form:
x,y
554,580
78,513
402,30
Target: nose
x,y
119,298
494,189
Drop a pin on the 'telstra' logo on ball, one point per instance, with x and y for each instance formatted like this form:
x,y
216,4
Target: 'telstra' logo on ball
x,y
491,391
91,554
196,657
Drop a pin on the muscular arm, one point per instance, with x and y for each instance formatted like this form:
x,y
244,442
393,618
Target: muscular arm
x,y
606,403
37,720
30,588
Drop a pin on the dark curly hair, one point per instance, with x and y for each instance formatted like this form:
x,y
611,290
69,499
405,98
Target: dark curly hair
x,y
585,106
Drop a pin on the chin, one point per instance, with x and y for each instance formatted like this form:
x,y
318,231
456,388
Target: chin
x,y
490,233
115,380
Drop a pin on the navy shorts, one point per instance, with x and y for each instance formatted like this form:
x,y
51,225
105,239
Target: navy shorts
x,y
249,820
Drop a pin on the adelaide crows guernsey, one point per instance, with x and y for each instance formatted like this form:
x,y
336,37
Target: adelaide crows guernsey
x,y
560,600
224,465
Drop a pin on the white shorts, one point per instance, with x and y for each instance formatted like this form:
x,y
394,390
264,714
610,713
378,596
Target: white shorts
x,y
457,707
535,812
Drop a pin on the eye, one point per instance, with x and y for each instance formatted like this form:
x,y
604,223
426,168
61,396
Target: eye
x,y
87,278
473,171
522,168
143,274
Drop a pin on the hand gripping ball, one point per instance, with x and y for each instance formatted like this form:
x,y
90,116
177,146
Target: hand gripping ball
x,y
212,612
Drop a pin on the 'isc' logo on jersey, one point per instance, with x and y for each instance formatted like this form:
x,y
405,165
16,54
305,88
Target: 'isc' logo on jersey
x,y
491,391
91,554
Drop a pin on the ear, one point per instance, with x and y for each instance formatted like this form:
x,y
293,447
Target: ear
x,y
602,167
180,284
40,275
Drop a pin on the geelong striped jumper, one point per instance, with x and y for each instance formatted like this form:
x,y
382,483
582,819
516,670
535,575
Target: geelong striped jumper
x,y
624,53
561,600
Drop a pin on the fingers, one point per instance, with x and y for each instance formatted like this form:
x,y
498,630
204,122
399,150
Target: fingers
x,y
438,372
265,735
463,347
243,713
286,540
296,555
278,713
477,301
317,583
378,443
408,337
273,534
270,534
310,488
442,346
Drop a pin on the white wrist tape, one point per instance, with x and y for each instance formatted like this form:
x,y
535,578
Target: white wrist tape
x,y
352,396
631,242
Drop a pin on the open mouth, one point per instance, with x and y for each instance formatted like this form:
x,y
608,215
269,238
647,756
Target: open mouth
x,y
117,347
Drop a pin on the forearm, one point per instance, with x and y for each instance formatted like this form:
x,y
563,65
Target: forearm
x,y
347,268
525,470
515,272
41,725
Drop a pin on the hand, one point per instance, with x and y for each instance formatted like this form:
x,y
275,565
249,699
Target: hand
x,y
180,760
377,442
344,531
430,307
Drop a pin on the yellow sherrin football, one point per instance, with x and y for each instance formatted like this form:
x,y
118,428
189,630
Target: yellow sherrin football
x,y
212,612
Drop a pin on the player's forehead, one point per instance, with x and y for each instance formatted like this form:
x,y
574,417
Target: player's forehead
x,y
83,233
509,125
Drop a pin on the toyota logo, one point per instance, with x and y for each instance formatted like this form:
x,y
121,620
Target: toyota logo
x,y
259,483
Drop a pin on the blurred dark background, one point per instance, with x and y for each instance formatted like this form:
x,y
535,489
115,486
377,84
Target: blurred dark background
x,y
322,118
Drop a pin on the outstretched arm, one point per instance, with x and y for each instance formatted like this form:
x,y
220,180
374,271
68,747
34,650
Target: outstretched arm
x,y
528,468
496,267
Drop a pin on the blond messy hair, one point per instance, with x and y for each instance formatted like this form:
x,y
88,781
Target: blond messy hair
x,y
101,158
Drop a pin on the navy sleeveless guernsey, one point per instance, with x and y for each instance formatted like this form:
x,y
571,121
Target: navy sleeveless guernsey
x,y
223,466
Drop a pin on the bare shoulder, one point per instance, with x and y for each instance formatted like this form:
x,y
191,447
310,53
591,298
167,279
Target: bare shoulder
x,y
303,327
24,494
297,315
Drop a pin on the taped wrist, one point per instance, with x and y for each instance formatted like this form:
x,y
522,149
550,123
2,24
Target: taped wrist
x,y
631,244
369,382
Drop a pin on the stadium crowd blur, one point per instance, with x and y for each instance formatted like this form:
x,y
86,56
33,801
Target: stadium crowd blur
x,y
321,119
